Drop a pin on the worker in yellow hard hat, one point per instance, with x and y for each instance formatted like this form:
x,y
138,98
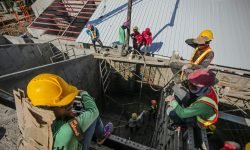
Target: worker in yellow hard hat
x,y
73,129
202,56
135,122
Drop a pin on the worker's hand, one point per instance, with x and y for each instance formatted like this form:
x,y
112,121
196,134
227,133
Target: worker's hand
x,y
169,98
186,66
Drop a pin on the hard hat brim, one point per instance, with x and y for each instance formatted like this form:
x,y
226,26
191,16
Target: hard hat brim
x,y
199,41
72,92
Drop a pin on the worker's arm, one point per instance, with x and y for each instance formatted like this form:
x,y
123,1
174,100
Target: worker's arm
x,y
97,33
191,43
197,108
132,36
91,112
88,32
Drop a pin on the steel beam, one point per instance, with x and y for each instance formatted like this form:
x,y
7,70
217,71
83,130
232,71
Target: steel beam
x,y
235,119
129,143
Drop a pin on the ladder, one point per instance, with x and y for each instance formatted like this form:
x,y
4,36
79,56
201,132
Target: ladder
x,y
105,70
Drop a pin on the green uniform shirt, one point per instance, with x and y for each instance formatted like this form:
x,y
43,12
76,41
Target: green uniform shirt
x,y
64,139
121,35
195,109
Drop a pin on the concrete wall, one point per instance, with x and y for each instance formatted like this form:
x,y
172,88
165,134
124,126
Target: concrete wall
x,y
23,56
4,40
81,72
39,6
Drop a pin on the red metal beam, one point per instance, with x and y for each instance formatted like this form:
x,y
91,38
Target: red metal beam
x,y
58,30
85,0
57,24
82,17
67,3
67,38
90,9
57,19
89,13
54,15
73,11
53,6
92,4
67,11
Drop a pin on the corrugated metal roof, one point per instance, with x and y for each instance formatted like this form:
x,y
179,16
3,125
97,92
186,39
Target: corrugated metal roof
x,y
173,21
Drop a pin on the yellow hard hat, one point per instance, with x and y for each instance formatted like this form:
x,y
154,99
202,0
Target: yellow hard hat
x,y
50,90
134,116
247,147
207,33
135,28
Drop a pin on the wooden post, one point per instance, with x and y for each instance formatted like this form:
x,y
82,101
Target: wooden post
x,y
129,20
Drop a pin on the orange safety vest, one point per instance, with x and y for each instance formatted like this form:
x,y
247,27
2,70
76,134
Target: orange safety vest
x,y
201,57
211,100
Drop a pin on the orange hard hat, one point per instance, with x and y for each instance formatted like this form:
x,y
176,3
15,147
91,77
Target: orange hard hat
x,y
89,26
153,102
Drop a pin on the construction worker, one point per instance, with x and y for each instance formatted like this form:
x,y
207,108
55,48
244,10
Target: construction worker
x,y
202,56
137,39
153,110
122,33
203,109
147,36
70,131
93,32
135,122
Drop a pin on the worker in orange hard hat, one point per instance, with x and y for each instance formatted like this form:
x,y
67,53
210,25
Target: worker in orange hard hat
x,y
72,129
203,110
153,110
94,34
202,56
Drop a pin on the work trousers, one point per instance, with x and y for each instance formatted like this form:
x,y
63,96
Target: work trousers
x,y
97,40
96,128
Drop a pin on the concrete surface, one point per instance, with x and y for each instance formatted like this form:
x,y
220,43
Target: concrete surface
x,y
4,40
18,57
9,131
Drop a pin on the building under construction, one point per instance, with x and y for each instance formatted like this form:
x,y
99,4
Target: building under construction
x,y
51,38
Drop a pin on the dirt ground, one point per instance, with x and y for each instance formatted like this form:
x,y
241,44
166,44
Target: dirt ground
x,y
9,131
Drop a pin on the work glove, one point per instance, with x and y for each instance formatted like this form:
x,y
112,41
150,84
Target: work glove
x,y
186,66
169,98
